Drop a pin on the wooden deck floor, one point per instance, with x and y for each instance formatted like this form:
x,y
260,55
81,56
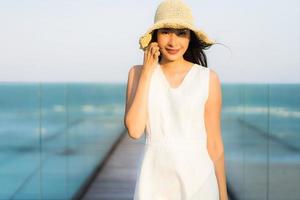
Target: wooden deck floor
x,y
116,181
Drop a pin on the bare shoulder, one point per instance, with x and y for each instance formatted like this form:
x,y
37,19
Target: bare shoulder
x,y
134,75
132,82
134,72
135,69
214,86
214,77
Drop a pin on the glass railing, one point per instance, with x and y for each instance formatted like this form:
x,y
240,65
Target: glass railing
x,y
261,131
54,135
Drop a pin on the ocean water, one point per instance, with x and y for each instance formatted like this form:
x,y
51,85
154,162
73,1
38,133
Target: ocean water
x,y
261,133
273,109
54,135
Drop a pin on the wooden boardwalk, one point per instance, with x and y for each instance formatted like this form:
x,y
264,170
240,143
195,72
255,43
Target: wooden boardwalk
x,y
116,180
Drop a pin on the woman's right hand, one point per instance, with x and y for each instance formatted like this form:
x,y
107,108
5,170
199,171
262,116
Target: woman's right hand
x,y
151,55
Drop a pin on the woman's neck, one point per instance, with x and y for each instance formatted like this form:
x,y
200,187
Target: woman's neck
x,y
175,66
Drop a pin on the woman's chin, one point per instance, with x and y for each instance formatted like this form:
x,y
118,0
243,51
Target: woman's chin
x,y
172,57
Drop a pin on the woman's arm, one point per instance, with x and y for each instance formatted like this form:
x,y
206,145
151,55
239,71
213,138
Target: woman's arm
x,y
136,101
136,112
215,146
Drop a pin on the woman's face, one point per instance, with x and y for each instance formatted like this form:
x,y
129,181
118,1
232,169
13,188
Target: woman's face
x,y
173,42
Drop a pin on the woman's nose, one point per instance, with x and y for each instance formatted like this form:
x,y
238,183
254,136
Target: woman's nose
x,y
172,39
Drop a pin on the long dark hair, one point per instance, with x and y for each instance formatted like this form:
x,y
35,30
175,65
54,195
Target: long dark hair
x,y
194,53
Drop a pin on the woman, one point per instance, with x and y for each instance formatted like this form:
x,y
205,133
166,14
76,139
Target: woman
x,y
178,100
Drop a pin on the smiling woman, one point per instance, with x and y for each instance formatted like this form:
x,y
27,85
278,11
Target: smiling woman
x,y
173,43
177,99
167,33
194,52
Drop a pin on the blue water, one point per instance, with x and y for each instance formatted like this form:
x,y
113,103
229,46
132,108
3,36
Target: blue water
x,y
274,109
261,132
54,135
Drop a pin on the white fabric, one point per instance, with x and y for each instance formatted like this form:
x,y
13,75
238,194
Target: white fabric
x,y
175,163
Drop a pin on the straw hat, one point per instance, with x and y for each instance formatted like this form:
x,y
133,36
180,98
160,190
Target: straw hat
x,y
173,14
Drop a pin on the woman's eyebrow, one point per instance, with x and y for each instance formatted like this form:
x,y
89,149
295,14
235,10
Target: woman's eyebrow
x,y
175,29
183,29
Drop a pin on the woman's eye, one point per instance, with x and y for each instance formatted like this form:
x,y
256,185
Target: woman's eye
x,y
182,33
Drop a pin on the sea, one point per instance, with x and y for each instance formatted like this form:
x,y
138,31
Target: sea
x,y
53,135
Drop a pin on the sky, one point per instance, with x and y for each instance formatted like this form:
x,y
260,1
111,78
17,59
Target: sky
x,y
97,40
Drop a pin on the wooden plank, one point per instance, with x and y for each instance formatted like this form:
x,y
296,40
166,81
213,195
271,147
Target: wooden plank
x,y
116,180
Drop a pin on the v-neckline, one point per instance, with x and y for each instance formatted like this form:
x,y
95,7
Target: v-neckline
x,y
167,83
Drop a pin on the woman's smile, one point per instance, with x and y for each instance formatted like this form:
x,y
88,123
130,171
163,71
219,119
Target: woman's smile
x,y
172,51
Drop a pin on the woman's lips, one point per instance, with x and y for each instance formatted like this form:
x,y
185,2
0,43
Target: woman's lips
x,y
172,51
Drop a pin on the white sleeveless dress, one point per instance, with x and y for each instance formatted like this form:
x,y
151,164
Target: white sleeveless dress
x,y
175,164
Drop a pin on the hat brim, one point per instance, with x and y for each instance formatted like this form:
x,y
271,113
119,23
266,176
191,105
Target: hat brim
x,y
173,23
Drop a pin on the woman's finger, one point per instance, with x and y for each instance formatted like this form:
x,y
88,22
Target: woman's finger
x,y
156,50
152,49
156,55
146,50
